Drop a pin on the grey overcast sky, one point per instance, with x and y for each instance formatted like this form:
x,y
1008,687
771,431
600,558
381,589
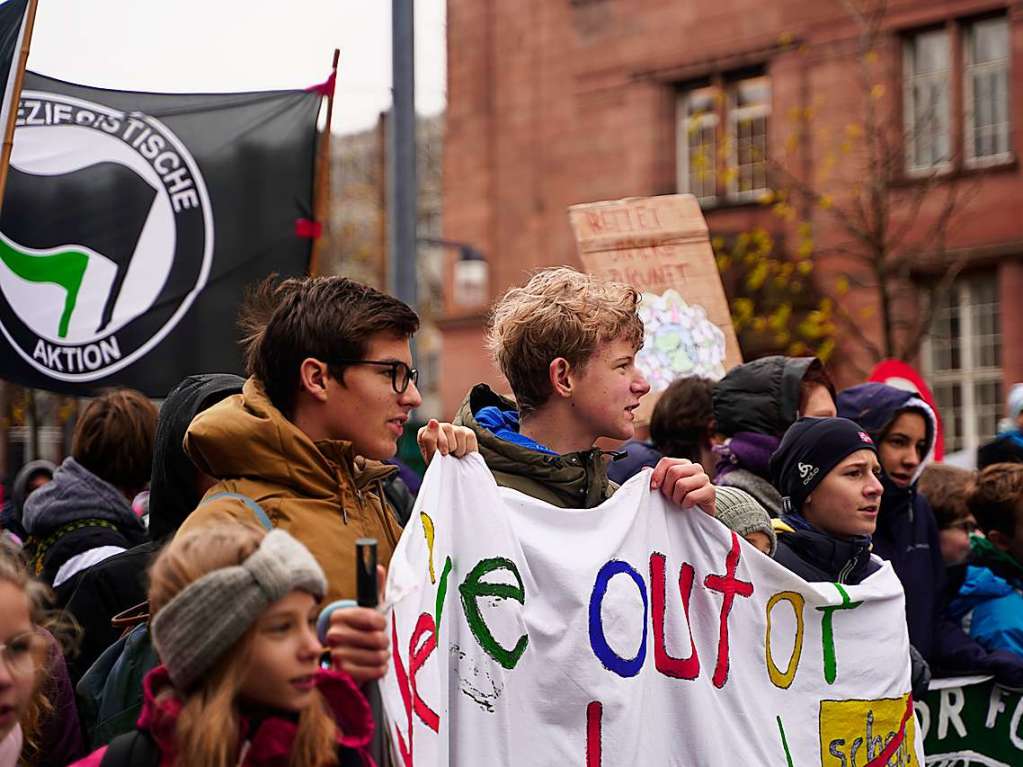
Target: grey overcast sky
x,y
237,45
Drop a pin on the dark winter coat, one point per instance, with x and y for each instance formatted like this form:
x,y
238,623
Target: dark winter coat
x,y
631,459
77,520
1005,448
907,536
816,556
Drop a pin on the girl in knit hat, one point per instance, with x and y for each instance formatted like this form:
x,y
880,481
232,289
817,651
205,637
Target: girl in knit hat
x,y
234,623
827,472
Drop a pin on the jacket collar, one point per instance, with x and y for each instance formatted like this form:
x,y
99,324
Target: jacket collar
x,y
844,560
579,478
245,436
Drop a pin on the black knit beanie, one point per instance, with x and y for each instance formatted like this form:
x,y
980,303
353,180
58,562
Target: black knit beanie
x,y
809,450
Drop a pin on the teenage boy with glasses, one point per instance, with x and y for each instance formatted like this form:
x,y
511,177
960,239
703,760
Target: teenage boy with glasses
x,y
330,388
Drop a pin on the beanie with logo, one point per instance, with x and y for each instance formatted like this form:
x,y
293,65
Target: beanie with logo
x,y
810,449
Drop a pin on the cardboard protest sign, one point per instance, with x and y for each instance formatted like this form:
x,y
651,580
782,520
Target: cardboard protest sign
x,y
971,722
661,247
632,633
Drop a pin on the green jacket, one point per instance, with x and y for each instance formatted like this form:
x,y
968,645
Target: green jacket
x,y
570,481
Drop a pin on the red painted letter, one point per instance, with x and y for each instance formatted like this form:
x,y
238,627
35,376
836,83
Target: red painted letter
x,y
417,655
729,586
593,713
677,668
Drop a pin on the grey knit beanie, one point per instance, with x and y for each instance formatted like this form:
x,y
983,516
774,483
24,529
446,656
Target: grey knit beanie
x,y
741,512
203,621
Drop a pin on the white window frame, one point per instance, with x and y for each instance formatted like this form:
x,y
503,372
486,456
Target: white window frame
x,y
685,124
969,373
909,80
735,115
969,68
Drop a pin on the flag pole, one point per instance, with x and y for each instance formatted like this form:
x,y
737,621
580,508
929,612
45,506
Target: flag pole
x,y
15,97
321,189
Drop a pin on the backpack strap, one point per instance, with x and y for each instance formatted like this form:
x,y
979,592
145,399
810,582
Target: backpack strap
x,y
254,507
132,749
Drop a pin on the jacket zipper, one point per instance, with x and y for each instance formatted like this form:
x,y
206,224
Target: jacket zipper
x,y
846,569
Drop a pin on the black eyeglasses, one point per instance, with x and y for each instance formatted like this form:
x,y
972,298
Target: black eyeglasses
x,y
401,374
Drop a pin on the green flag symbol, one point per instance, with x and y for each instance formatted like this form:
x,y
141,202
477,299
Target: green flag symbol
x,y
65,268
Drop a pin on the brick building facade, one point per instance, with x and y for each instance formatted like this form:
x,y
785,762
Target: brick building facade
x,y
556,102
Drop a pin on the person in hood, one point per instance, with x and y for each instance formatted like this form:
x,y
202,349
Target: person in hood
x,y
234,616
84,515
754,405
119,583
30,477
1007,447
330,389
903,425
567,343
990,601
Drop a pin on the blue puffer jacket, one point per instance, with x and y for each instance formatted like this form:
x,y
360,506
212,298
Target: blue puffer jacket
x,y
991,609
907,536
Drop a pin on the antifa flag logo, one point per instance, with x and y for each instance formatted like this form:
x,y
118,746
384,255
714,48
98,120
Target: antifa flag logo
x,y
103,245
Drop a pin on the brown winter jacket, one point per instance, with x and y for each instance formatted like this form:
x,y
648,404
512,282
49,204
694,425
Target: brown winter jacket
x,y
318,492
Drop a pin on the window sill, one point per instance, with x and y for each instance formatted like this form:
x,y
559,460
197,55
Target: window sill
x,y
721,205
1010,165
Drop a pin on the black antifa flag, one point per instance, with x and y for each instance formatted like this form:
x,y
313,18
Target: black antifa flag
x,y
132,223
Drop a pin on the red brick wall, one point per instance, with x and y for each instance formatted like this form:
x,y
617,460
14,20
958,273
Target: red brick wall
x,y
555,102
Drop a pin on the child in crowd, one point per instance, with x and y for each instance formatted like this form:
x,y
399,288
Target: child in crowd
x,y
990,602
827,472
947,488
234,616
753,406
38,719
903,426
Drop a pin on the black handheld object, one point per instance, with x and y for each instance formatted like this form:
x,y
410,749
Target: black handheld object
x,y
366,572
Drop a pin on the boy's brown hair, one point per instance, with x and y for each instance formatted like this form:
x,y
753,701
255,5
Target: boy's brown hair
x,y
326,318
683,418
947,489
559,313
114,439
997,498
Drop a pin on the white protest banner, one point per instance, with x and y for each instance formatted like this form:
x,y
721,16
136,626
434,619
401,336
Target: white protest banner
x,y
634,633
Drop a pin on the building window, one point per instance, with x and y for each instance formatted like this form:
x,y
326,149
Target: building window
x,y
986,91
926,65
964,356
698,143
749,105
722,139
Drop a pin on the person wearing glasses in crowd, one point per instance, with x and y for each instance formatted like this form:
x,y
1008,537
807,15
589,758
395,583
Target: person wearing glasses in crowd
x,y
38,719
330,389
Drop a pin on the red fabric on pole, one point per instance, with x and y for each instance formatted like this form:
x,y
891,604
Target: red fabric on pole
x,y
307,228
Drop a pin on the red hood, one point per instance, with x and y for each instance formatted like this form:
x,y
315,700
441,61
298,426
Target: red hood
x,y
271,743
